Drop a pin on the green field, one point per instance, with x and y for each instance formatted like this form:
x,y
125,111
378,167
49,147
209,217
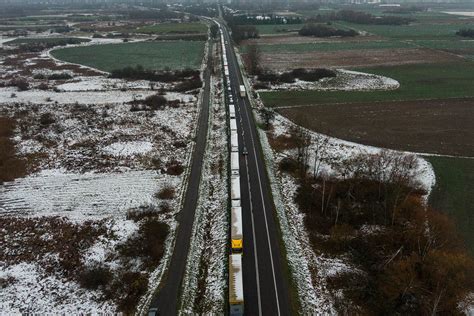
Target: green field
x,y
421,81
167,28
332,46
454,193
151,55
53,40
413,31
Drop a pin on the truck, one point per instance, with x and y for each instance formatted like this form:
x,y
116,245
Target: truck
x,y
235,191
236,232
234,163
236,286
234,142
233,125
231,110
242,91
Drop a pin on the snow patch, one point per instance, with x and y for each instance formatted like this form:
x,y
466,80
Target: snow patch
x,y
345,80
125,149
80,196
32,291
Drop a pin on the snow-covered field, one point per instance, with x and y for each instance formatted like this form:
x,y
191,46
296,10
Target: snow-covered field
x,y
345,80
93,161
81,196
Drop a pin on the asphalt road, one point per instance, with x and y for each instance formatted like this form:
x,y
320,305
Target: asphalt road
x,y
167,299
265,284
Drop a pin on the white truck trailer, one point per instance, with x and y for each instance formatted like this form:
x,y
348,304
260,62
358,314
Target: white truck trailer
x,y
234,142
234,163
231,110
233,125
242,91
235,191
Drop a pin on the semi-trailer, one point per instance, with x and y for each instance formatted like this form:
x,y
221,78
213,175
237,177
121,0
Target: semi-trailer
x,y
242,91
234,163
235,191
236,286
236,230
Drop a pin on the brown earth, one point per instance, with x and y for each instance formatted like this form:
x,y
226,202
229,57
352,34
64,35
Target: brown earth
x,y
437,126
356,58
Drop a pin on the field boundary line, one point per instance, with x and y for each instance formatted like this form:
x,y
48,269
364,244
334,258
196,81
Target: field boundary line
x,y
344,103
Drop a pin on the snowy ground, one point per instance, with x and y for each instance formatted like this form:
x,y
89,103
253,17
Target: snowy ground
x,y
344,81
93,160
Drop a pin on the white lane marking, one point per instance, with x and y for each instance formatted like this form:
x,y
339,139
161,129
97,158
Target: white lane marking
x,y
254,242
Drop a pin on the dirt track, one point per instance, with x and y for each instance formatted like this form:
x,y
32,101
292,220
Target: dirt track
x,y
355,58
438,126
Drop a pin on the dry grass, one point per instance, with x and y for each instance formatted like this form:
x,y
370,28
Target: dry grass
x,y
11,166
30,240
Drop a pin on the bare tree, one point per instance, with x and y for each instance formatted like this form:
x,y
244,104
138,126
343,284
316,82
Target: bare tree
x,y
268,116
320,146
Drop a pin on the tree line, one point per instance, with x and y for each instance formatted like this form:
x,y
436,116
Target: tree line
x,y
408,258
359,17
140,73
320,30
465,33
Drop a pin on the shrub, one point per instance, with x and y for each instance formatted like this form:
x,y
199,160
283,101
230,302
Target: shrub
x,y
261,86
314,74
165,207
43,86
155,102
140,73
465,33
127,289
166,193
287,77
20,83
47,119
180,144
94,277
60,76
288,165
174,168
147,244
188,85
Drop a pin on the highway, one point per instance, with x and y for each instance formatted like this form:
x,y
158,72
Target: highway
x,y
265,284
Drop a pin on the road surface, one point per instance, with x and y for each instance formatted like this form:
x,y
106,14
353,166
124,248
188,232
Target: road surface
x,y
265,284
